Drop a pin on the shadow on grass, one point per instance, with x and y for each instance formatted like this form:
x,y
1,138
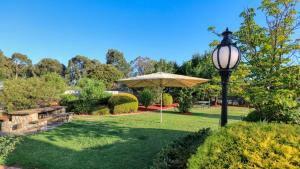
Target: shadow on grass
x,y
206,115
83,144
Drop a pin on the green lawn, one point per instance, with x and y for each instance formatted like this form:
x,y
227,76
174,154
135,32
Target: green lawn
x,y
112,141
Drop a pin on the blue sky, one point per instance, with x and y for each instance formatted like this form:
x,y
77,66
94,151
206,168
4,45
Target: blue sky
x,y
61,29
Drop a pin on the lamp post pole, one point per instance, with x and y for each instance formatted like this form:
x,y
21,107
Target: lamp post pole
x,y
225,78
225,58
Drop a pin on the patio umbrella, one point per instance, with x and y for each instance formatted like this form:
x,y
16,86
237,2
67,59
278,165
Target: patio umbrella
x,y
161,79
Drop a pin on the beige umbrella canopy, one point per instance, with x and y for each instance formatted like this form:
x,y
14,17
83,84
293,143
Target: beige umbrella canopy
x,y
162,79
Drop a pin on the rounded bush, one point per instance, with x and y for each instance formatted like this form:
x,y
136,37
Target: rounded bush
x,y
250,145
123,103
167,99
102,110
146,97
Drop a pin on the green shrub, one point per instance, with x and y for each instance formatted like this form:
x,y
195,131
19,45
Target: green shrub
x,y
185,100
7,145
31,92
167,99
66,99
287,116
101,110
146,97
176,154
91,89
123,103
250,145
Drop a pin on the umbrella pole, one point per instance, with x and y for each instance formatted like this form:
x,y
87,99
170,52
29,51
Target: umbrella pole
x,y
161,107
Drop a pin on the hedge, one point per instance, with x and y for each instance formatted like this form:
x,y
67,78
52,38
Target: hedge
x,y
167,99
250,145
7,145
101,110
123,103
176,154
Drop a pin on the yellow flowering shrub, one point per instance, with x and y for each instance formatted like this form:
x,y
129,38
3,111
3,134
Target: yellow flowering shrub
x,y
250,145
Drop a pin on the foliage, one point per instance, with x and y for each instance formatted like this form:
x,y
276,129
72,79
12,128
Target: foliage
x,y
32,92
123,103
7,145
185,100
78,68
202,66
274,86
106,73
91,89
287,116
167,99
146,97
268,76
142,66
156,92
250,145
48,65
68,100
176,154
116,58
165,66
53,86
199,66
21,65
101,110
5,67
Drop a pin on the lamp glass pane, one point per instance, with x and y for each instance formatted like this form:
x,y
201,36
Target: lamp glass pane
x,y
223,56
234,56
215,58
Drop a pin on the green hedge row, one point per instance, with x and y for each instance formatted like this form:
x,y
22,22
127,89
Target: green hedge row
x,y
250,145
176,154
123,103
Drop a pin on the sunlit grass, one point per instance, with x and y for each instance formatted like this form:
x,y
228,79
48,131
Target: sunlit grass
x,y
112,141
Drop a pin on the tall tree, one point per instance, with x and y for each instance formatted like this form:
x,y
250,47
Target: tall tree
x,y
107,73
22,65
165,66
78,67
5,67
142,65
48,65
116,58
268,55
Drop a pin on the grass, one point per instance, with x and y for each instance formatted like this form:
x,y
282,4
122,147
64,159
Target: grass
x,y
112,141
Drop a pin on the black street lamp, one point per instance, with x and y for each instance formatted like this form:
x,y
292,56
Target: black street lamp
x,y
225,58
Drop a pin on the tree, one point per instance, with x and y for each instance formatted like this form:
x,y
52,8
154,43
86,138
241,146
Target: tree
x,y
78,67
48,65
201,66
116,58
5,67
22,65
272,82
142,65
91,89
165,66
107,73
